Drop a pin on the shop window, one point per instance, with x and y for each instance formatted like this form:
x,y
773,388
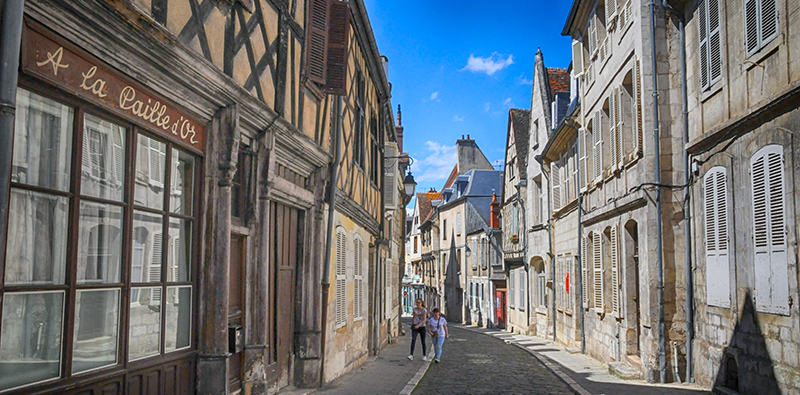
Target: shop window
x,y
35,334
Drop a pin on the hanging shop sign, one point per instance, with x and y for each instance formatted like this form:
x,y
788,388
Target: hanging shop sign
x,y
95,82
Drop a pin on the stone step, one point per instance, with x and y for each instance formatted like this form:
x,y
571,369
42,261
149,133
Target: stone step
x,y
624,371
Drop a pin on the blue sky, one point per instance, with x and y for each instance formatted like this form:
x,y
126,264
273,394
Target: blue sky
x,y
456,67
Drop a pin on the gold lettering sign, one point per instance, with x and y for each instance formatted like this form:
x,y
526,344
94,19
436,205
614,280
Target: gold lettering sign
x,y
47,59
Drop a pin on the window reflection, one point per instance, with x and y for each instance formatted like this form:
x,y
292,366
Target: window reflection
x,y
96,329
148,240
151,157
99,243
179,317
103,159
30,349
144,337
37,238
182,183
180,235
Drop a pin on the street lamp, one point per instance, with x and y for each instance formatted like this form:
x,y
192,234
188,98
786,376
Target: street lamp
x,y
468,252
409,184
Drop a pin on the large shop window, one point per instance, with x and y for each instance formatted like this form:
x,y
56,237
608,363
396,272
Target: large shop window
x,y
85,251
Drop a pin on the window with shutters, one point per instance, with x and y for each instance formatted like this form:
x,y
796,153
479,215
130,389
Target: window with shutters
x,y
375,168
586,269
341,277
770,230
715,198
390,186
597,151
567,281
317,40
484,253
541,287
627,121
760,23
359,120
337,47
511,293
539,201
615,271
608,127
708,23
597,270
358,278
582,177
555,185
521,288
475,254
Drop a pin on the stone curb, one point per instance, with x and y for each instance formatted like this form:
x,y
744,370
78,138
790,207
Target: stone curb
x,y
412,384
552,367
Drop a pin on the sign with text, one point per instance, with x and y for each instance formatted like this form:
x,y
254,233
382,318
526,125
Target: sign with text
x,y
46,58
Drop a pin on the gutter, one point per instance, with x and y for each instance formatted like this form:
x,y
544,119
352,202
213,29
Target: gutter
x,y
662,356
326,265
687,208
11,33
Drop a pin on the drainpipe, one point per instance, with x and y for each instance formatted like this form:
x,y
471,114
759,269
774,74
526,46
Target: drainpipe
x,y
662,355
687,229
580,240
525,265
326,265
11,33
539,159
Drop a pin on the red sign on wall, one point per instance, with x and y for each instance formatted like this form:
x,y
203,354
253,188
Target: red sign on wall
x,y
567,284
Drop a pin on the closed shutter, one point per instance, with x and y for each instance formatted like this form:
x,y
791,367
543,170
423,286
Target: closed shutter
x,y
714,42
577,57
716,235
341,279
592,32
475,254
583,180
358,278
639,129
555,185
511,288
522,276
619,119
768,21
702,24
771,260
586,262
338,42
751,25
154,272
317,41
390,193
117,145
615,271
612,128
597,249
611,12
597,133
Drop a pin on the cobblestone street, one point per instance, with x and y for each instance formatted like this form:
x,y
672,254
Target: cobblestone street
x,y
474,363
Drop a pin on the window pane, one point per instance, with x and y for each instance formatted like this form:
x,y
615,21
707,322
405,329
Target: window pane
x,y
180,249
151,160
179,317
42,142
147,247
144,338
96,329
103,159
37,238
99,243
182,183
30,338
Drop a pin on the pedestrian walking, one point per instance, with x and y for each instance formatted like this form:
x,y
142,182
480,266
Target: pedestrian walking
x,y
418,329
438,330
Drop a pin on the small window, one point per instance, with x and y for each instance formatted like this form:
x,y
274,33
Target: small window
x,y
761,23
708,22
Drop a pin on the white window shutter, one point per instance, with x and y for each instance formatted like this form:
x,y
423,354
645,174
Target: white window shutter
x,y
639,129
768,21
611,11
586,261
620,120
615,271
598,270
555,185
341,280
702,24
714,42
597,133
612,127
717,256
117,140
751,26
511,288
577,57
390,180
475,254
154,272
358,278
582,158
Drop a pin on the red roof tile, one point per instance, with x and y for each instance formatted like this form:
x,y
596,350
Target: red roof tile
x,y
558,79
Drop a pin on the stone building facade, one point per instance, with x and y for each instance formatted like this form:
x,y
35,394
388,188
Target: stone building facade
x,y
191,148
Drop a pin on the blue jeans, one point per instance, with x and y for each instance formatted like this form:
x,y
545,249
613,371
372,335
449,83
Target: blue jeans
x,y
437,345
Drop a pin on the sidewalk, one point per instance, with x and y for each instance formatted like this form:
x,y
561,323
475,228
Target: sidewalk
x,y
389,373
584,374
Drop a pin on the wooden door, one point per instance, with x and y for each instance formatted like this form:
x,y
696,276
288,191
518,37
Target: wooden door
x,y
500,296
286,244
236,307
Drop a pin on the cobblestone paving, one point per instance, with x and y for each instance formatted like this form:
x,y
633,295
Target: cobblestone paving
x,y
473,363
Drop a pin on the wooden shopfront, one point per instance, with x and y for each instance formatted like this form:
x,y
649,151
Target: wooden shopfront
x,y
99,281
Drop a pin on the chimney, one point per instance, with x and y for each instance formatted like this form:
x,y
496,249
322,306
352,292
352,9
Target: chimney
x,y
495,220
399,130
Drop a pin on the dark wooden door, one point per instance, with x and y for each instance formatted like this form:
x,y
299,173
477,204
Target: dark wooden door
x,y
236,307
287,235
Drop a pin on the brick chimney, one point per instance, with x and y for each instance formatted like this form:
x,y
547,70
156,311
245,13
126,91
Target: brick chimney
x,y
495,220
399,130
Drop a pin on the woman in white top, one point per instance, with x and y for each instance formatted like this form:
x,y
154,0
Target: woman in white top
x,y
437,327
418,329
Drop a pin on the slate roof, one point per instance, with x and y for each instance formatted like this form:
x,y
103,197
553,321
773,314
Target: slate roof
x,y
521,120
558,79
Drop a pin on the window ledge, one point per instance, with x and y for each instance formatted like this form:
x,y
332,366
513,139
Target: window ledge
x,y
713,90
758,56
541,310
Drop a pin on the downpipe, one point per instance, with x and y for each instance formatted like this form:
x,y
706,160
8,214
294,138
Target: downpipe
x,y
326,265
662,355
687,227
11,33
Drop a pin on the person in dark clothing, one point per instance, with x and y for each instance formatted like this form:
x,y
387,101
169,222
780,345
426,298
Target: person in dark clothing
x,y
418,329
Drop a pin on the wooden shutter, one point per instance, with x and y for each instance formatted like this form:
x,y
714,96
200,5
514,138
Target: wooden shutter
x,y
611,12
522,277
338,42
582,147
317,40
475,254
341,279
597,249
511,288
716,235
597,133
618,118
768,21
358,278
612,128
702,24
714,43
769,236
577,57
751,25
615,271
555,185
639,129
390,193
158,157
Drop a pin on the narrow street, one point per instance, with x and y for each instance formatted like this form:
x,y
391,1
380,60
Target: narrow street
x,y
474,363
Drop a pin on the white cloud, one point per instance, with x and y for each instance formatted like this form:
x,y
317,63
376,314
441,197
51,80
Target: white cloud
x,y
438,164
487,106
456,118
433,97
489,65
508,103
522,80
